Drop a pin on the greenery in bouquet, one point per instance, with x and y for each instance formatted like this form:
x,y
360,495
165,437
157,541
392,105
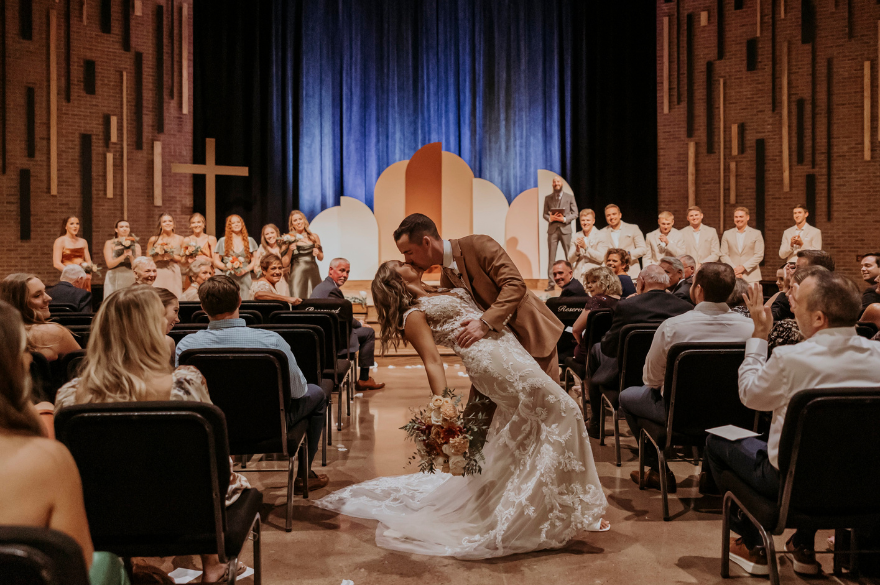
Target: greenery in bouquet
x,y
445,439
191,250
123,245
160,249
91,268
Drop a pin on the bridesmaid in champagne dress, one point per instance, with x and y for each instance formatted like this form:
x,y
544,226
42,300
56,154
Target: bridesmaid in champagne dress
x,y
236,244
70,248
270,243
118,254
302,256
199,238
167,259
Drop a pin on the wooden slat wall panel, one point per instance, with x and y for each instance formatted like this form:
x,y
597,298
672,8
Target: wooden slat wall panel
x,y
665,65
30,117
867,111
53,102
710,109
85,173
786,158
24,204
760,183
689,74
138,101
160,69
184,57
692,174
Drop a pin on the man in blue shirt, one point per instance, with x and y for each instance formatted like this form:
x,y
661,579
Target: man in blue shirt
x,y
220,299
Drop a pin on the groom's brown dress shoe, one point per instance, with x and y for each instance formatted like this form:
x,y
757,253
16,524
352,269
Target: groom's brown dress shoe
x,y
369,384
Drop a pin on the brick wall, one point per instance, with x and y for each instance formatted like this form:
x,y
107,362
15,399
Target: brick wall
x,y
28,65
855,182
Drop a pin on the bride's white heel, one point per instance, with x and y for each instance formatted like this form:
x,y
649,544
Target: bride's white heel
x,y
598,527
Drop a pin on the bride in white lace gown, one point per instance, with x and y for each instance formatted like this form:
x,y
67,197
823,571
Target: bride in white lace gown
x,y
539,485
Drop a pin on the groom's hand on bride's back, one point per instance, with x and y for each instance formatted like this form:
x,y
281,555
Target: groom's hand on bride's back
x,y
472,330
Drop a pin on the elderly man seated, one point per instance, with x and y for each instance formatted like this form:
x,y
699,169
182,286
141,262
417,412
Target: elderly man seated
x,y
363,339
72,289
678,284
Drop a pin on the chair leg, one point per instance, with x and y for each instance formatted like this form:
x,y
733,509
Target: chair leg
x,y
616,414
304,456
232,569
330,420
288,523
244,460
584,398
664,489
602,421
258,560
725,537
324,442
769,546
339,412
642,459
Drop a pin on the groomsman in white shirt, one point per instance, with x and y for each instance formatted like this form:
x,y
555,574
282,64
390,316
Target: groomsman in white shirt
x,y
801,236
700,241
588,249
664,241
625,235
742,247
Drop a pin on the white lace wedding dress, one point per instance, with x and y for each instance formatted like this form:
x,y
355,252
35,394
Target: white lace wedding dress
x,y
539,485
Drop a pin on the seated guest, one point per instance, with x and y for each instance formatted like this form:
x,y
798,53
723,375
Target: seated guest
x,y
786,331
678,286
652,305
27,294
271,273
220,299
617,259
41,484
604,288
711,320
562,276
872,313
736,301
145,270
172,310
870,271
363,339
826,307
782,280
200,270
72,289
690,266
780,307
121,367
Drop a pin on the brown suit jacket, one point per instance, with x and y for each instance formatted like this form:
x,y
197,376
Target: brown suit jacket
x,y
498,288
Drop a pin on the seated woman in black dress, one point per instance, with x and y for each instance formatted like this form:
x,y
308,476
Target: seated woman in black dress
x,y
617,259
605,291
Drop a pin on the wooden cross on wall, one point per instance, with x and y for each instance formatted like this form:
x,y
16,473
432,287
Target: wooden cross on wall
x,y
210,169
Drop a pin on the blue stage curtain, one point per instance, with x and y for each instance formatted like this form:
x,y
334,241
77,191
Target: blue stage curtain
x,y
319,97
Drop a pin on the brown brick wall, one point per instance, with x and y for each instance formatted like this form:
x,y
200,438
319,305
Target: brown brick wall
x,y
28,65
855,182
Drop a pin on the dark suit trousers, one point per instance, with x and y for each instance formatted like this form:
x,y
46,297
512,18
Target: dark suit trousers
x,y
366,342
602,372
554,238
312,406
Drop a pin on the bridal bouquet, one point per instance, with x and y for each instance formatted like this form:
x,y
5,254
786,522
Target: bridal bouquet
x,y
123,245
444,438
287,239
91,268
191,250
232,264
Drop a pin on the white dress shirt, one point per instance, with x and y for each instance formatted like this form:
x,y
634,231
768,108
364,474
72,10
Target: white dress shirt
x,y
696,236
448,261
657,250
832,358
740,240
810,236
615,237
707,322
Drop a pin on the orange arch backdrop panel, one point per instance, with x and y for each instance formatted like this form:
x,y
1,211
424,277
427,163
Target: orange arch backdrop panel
x,y
457,197
521,233
424,183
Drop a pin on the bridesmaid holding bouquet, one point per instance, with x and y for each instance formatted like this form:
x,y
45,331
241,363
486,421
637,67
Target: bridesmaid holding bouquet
x,y
302,256
235,255
196,245
72,249
165,250
119,252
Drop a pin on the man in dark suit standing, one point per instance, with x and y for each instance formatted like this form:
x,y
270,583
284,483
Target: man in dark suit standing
x,y
651,304
559,230
562,276
363,339
70,290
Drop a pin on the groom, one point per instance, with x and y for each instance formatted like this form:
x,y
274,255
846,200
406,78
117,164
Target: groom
x,y
480,265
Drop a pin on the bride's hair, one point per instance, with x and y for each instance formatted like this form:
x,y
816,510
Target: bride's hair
x,y
392,300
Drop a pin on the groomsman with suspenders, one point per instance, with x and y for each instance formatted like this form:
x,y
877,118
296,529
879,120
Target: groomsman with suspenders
x,y
700,241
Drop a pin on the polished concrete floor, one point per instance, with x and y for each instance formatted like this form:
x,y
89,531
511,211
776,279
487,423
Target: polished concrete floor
x,y
325,548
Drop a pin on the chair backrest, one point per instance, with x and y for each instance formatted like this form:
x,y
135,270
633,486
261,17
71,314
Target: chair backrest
x,y
251,318
264,308
67,319
178,334
701,388
80,333
635,341
567,309
341,308
829,453
326,321
326,351
866,329
598,324
307,347
187,309
154,474
43,385
40,556
67,366
252,388
61,308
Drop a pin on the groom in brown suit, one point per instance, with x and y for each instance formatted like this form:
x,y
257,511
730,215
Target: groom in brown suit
x,y
480,265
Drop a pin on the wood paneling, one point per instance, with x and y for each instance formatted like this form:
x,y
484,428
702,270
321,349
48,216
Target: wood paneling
x,y
138,101
741,132
719,23
665,65
733,182
758,17
721,146
813,105
704,18
799,130
160,69
184,57
866,126
3,86
24,204
85,174
710,108
734,139
30,121
157,173
786,158
773,55
89,77
68,67
689,74
109,175
760,182
138,7
171,43
113,129
692,174
678,83
125,145
106,131
53,102
26,19
829,108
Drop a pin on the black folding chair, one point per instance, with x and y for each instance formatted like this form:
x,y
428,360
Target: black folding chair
x,y
829,466
55,308
178,334
345,315
635,341
252,388
66,368
155,477
187,309
567,310
251,318
701,391
264,308
598,324
40,556
68,319
866,329
81,334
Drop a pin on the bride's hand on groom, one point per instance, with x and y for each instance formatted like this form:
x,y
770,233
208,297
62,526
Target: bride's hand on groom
x,y
472,331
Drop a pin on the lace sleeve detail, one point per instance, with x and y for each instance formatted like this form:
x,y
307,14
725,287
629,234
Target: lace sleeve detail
x,y
407,314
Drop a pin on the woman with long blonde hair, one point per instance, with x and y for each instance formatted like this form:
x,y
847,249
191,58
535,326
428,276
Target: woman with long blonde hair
x,y
166,248
302,256
128,360
235,255
197,240
538,487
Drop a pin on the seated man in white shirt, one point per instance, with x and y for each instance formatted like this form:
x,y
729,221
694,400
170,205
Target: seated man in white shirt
x,y
711,320
826,306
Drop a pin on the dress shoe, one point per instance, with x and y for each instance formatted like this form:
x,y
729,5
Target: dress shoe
x,y
369,384
652,480
754,560
803,559
707,485
316,482
550,286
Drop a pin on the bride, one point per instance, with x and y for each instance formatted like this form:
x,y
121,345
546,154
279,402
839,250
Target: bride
x,y
539,485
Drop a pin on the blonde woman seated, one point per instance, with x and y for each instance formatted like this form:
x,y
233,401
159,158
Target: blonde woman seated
x,y
27,294
272,273
120,367
145,270
41,485
171,314
200,270
605,290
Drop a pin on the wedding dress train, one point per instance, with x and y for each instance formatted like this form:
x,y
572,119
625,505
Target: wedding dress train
x,y
539,485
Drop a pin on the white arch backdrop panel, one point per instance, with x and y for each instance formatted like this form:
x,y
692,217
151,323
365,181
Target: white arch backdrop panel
x,y
349,230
